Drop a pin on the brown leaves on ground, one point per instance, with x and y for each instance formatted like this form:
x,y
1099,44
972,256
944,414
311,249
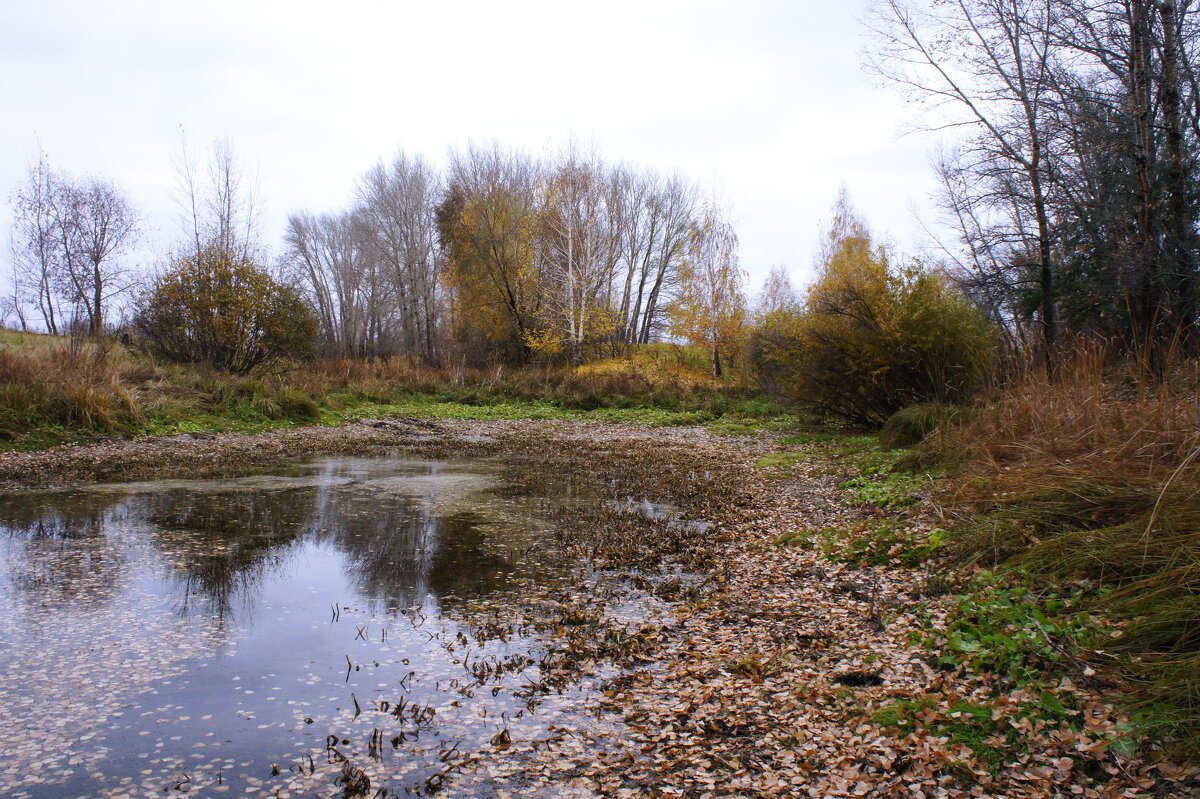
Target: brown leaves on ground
x,y
776,672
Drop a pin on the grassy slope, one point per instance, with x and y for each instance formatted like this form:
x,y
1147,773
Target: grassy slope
x,y
1036,589
53,390
1079,495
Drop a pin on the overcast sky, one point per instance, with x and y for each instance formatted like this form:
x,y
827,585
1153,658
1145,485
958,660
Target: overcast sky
x,y
762,102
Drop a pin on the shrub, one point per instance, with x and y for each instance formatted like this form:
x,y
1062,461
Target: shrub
x,y
220,309
909,426
873,338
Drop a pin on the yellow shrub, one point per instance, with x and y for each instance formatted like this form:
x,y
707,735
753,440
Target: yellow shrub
x,y
872,338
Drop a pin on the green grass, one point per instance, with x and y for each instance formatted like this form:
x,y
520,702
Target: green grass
x,y
877,542
887,490
799,538
782,461
873,477
966,723
1131,547
245,418
749,421
872,482
1024,638
845,449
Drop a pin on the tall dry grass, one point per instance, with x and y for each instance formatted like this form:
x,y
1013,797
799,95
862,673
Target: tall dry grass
x,y
1093,474
73,387
1093,417
67,385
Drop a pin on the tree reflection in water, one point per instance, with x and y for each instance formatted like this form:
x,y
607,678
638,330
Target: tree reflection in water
x,y
218,540
185,626
57,549
219,545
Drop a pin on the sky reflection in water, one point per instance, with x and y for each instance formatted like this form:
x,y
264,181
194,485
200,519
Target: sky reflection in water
x,y
170,637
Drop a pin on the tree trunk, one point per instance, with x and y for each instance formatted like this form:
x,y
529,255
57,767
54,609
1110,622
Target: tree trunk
x,y
1178,239
1046,272
97,320
1146,299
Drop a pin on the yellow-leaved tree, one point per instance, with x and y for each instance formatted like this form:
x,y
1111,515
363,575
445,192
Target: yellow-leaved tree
x,y
710,305
873,337
486,226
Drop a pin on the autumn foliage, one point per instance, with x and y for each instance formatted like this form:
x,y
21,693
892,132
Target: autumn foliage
x,y
220,309
873,337
710,308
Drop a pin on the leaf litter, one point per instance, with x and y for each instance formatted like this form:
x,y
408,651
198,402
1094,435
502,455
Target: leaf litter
x,y
694,654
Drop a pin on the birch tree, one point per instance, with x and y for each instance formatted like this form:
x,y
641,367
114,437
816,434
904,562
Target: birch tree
x,y
578,250
710,310
396,205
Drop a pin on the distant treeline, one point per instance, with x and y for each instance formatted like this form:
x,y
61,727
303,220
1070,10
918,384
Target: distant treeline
x,y
499,257
502,256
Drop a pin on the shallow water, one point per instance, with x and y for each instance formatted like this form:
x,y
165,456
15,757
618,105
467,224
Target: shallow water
x,y
218,636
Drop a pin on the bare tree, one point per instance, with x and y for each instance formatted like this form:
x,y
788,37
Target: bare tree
x,y
35,246
988,63
777,295
1132,96
219,202
984,258
351,298
396,206
68,236
506,254
1073,194
655,219
844,223
95,224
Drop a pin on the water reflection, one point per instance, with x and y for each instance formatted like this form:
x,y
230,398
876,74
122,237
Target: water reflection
x,y
401,537
60,552
218,545
184,626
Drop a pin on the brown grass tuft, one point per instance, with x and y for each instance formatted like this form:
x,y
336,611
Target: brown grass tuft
x,y
1094,474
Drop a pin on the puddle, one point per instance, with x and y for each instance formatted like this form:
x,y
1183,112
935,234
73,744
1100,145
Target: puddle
x,y
246,635
657,511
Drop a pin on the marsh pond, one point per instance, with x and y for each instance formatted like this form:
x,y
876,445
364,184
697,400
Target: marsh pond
x,y
285,633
